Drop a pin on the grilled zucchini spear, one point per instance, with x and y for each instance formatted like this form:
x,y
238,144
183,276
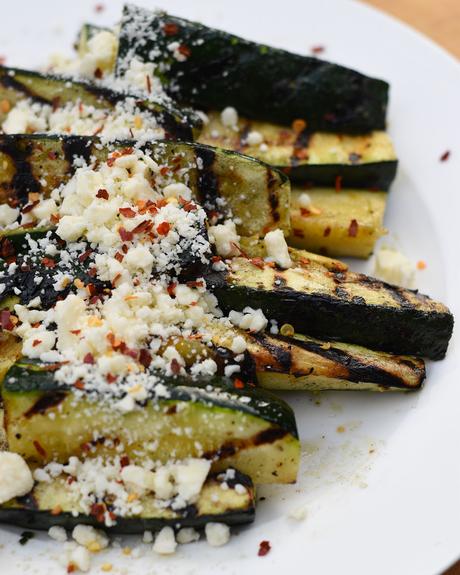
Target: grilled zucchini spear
x,y
37,510
343,306
214,69
222,181
247,428
57,91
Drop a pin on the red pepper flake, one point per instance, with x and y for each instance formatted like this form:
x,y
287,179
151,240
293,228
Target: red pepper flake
x,y
6,248
353,229
57,509
264,548
99,8
71,568
48,262
175,366
79,384
39,448
118,154
187,206
299,125
98,511
421,265
94,299
327,231
238,384
98,73
216,259
92,272
127,212
445,156
55,103
125,235
144,227
164,170
170,29
54,218
184,50
75,331
119,257
5,320
163,228
145,358
89,358
36,342
318,49
338,183
115,279
124,461
110,378
195,284
29,207
103,194
258,262
148,81
84,256
171,289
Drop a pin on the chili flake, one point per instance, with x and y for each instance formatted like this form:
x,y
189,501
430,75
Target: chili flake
x,y
163,228
264,548
353,228
103,194
445,156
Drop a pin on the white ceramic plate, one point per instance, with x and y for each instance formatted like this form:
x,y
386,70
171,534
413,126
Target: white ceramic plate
x,y
384,496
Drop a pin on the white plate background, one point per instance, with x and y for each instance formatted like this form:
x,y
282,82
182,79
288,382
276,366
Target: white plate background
x,y
395,511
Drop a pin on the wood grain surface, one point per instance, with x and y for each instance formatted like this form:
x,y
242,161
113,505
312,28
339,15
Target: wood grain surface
x,y
440,20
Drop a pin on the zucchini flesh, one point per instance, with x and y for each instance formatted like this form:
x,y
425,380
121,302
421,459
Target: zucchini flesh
x,y
360,161
265,83
343,306
304,363
35,510
17,84
346,223
252,191
256,436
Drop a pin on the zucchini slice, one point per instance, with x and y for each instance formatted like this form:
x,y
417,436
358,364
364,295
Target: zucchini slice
x,y
343,306
346,223
17,84
248,428
36,510
322,159
304,363
214,69
255,193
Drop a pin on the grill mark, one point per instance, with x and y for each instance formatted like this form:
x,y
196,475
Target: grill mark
x,y
23,180
341,292
73,146
208,182
357,371
242,144
28,501
282,356
232,447
398,295
272,196
45,402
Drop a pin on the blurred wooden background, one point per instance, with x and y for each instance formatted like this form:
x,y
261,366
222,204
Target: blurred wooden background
x,y
440,20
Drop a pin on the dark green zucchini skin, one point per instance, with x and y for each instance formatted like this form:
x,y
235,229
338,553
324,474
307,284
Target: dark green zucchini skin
x,y
17,84
253,191
416,325
370,176
259,81
25,512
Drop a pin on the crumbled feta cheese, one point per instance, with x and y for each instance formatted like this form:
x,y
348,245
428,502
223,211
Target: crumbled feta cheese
x,y
187,535
229,117
394,267
254,138
80,558
304,200
239,344
251,319
230,370
277,249
88,536
165,542
138,479
15,476
177,190
225,238
8,215
217,534
57,533
147,537
299,513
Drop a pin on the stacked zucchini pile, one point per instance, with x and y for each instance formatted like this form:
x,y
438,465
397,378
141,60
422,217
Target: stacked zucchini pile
x,y
322,125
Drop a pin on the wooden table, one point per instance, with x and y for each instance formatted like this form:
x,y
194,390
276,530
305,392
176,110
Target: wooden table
x,y
440,20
